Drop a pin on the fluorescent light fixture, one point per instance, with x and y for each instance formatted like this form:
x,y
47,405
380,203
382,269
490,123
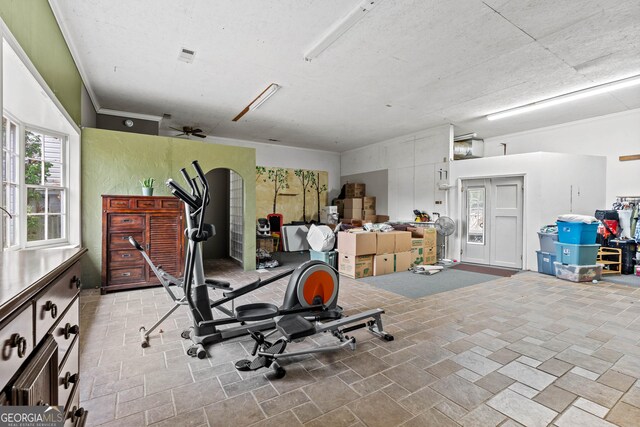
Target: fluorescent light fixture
x,y
266,94
258,101
339,28
573,96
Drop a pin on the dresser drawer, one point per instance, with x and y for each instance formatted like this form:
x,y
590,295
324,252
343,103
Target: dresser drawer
x,y
126,222
16,337
50,305
125,257
65,332
68,376
145,203
130,274
119,241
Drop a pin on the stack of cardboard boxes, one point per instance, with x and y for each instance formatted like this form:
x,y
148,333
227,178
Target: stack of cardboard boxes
x,y
423,245
356,205
363,254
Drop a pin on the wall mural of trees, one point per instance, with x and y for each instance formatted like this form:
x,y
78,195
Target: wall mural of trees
x,y
297,194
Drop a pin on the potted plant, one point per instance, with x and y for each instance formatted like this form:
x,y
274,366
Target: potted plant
x,y
147,186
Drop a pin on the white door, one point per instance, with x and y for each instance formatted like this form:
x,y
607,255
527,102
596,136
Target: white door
x,y
492,221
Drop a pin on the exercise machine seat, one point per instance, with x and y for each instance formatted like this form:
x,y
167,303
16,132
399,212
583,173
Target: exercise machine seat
x,y
294,326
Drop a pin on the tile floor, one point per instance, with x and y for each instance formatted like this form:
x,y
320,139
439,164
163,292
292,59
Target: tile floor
x,y
526,350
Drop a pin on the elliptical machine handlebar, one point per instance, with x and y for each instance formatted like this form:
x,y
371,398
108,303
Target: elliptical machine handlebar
x,y
181,193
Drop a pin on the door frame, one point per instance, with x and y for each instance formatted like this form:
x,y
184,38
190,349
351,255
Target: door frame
x,y
460,205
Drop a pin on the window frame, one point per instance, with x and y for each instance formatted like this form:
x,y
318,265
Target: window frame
x,y
64,186
11,119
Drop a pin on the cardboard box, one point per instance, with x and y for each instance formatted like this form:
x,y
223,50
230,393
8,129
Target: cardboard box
x,y
362,243
265,243
371,218
402,261
369,203
385,243
368,212
353,213
355,190
417,255
340,204
382,218
403,241
355,266
353,204
430,258
416,243
383,264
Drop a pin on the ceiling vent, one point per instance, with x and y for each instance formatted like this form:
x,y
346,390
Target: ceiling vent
x,y
186,55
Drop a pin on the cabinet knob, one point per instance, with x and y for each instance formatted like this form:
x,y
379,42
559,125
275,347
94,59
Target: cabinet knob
x,y
76,281
69,379
20,343
70,330
76,413
50,306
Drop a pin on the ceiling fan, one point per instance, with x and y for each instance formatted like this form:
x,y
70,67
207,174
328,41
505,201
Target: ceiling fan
x,y
189,130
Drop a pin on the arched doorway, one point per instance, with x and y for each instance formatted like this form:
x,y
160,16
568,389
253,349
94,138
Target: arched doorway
x,y
226,213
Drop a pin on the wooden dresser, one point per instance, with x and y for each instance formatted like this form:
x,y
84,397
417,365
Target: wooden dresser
x,y
40,330
157,223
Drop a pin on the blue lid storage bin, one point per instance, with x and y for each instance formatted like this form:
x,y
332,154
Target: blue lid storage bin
x,y
330,257
547,241
545,262
576,254
577,233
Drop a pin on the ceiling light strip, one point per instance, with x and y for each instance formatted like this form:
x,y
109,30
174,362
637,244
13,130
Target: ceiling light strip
x,y
561,99
339,28
258,101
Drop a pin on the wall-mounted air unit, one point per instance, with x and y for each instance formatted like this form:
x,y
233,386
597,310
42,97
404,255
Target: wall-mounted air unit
x,y
468,149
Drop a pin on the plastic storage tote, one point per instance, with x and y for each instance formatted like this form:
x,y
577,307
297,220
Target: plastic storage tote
x,y
330,257
545,263
576,254
577,233
547,241
578,273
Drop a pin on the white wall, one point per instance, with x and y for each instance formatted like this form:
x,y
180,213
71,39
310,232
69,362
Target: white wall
x,y
554,184
412,162
377,186
295,158
611,136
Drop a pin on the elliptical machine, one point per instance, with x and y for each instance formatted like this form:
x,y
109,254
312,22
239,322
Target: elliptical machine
x,y
312,291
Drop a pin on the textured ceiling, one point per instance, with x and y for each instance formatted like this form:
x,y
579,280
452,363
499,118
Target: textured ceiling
x,y
406,66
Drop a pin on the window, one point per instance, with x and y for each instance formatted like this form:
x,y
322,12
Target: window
x,y
10,182
42,213
475,215
236,216
43,178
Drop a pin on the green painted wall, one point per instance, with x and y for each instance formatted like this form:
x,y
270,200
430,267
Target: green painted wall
x,y
114,162
33,24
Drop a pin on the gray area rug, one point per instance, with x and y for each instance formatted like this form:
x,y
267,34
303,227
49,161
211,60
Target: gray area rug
x,y
413,285
624,279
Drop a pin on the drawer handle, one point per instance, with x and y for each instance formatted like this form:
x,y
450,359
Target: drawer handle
x,y
127,220
70,330
126,274
50,306
69,379
76,281
126,255
76,413
125,238
20,343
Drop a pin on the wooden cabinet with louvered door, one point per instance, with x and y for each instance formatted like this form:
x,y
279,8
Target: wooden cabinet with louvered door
x,y
157,223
